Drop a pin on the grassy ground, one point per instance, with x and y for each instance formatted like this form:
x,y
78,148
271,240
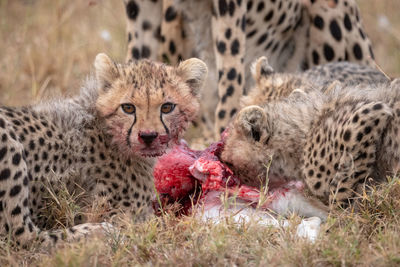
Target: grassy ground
x,y
47,47
367,238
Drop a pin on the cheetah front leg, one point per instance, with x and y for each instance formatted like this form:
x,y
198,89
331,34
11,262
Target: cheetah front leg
x,y
144,28
228,31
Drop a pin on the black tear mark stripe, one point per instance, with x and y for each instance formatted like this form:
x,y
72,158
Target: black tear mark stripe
x,y
128,140
165,126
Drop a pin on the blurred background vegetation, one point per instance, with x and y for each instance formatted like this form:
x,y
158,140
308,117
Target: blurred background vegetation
x,y
48,46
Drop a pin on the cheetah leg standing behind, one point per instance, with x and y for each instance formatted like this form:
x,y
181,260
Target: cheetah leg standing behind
x,y
229,55
145,32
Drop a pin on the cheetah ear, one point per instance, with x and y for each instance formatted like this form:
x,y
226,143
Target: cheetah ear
x,y
106,71
252,122
298,91
395,83
261,68
194,72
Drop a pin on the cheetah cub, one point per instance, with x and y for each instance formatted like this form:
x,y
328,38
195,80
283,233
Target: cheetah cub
x,y
336,141
102,144
271,85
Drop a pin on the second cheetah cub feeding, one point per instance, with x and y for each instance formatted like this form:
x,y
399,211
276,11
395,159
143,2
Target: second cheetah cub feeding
x,y
337,141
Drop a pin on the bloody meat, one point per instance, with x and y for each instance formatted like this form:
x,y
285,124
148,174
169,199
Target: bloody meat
x,y
185,176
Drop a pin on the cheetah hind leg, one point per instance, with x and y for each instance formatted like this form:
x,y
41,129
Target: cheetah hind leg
x,y
347,158
15,215
355,166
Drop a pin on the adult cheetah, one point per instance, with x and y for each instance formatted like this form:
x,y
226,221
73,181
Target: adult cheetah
x,y
229,34
102,144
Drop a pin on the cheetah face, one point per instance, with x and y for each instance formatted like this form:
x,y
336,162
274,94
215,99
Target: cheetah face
x,y
246,148
146,106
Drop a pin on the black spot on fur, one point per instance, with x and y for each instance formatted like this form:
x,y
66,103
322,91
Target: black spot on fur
x,y
355,118
222,7
16,211
233,112
260,6
221,47
172,47
347,135
15,190
135,53
269,16
239,79
281,19
319,22
335,30
341,190
230,90
365,111
228,33
145,51
328,52
16,159
132,10
371,52
377,106
231,74
361,33
3,152
359,136
170,14
5,174
315,57
357,51
347,22
235,47
262,38
220,73
317,185
251,34
231,8
221,114
19,231
146,25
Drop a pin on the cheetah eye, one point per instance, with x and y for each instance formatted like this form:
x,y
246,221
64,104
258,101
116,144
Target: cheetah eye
x,y
167,107
128,108
255,134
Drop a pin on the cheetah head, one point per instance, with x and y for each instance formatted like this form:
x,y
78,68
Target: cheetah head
x,y
146,106
246,148
269,84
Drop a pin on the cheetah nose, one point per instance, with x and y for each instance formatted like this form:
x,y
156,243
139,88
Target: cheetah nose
x,y
148,137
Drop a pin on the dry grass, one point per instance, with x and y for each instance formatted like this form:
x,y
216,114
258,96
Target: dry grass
x,y
382,24
369,237
47,48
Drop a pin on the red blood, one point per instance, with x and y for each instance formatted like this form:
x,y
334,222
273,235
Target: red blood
x,y
171,173
177,173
